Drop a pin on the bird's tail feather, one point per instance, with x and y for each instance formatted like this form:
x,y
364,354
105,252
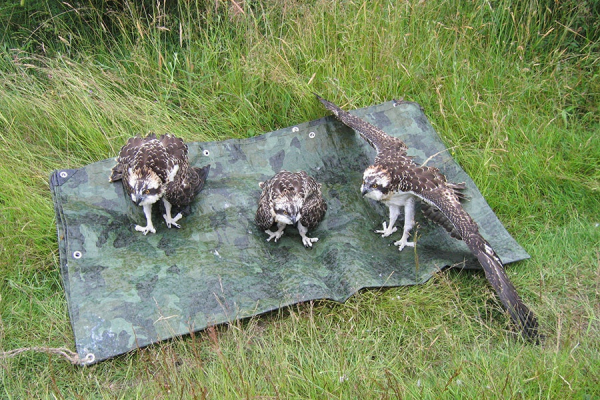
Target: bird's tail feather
x,y
506,291
202,174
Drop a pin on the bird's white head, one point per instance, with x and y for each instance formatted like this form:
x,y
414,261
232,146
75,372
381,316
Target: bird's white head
x,y
376,183
287,209
147,186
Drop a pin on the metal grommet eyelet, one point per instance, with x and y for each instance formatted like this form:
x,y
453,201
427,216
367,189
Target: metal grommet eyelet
x,y
206,153
63,174
89,358
77,255
295,129
312,135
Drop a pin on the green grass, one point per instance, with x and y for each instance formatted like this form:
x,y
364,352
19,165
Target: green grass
x,y
514,90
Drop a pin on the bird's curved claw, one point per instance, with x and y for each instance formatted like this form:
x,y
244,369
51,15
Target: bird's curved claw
x,y
276,235
145,229
172,221
402,243
387,230
309,241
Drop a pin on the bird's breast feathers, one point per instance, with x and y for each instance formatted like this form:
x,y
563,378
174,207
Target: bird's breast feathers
x,y
397,198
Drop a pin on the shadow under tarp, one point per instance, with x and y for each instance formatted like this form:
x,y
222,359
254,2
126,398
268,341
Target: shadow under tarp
x,y
126,290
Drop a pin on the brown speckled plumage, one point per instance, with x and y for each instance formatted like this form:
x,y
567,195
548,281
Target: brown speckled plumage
x,y
290,198
395,179
154,168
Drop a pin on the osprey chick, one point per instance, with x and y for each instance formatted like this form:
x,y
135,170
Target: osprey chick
x,y
290,198
395,180
154,168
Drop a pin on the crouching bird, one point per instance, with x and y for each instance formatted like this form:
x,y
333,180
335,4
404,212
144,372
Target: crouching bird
x,y
154,168
395,180
290,198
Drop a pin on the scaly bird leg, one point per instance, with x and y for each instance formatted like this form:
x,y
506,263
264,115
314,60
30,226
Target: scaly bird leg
x,y
280,227
389,229
148,227
409,222
167,216
305,239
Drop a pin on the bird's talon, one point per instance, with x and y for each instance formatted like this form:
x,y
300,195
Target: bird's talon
x,y
402,243
309,241
145,229
276,235
172,221
177,217
386,231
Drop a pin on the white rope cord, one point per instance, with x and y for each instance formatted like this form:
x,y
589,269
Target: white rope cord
x,y
62,351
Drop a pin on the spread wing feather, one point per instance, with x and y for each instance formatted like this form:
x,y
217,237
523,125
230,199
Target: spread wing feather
x,y
447,202
434,214
373,135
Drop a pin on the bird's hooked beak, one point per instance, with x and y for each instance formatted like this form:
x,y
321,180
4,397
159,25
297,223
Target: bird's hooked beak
x,y
137,199
363,190
295,218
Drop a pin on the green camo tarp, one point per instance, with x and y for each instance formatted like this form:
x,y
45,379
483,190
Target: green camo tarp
x,y
126,290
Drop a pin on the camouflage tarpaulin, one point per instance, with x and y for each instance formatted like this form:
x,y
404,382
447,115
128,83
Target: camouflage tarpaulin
x,y
126,290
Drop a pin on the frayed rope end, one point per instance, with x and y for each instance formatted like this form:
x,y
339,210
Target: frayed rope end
x,y
71,356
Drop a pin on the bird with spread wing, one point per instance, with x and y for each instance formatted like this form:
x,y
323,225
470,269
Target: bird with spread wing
x,y
397,181
154,168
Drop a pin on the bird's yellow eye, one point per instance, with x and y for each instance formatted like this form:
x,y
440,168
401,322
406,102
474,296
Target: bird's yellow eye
x,y
147,191
374,186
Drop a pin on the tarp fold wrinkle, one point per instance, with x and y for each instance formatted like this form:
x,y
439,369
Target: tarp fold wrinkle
x,y
126,290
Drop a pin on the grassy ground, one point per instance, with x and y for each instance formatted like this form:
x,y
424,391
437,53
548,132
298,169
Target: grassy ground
x,y
513,89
